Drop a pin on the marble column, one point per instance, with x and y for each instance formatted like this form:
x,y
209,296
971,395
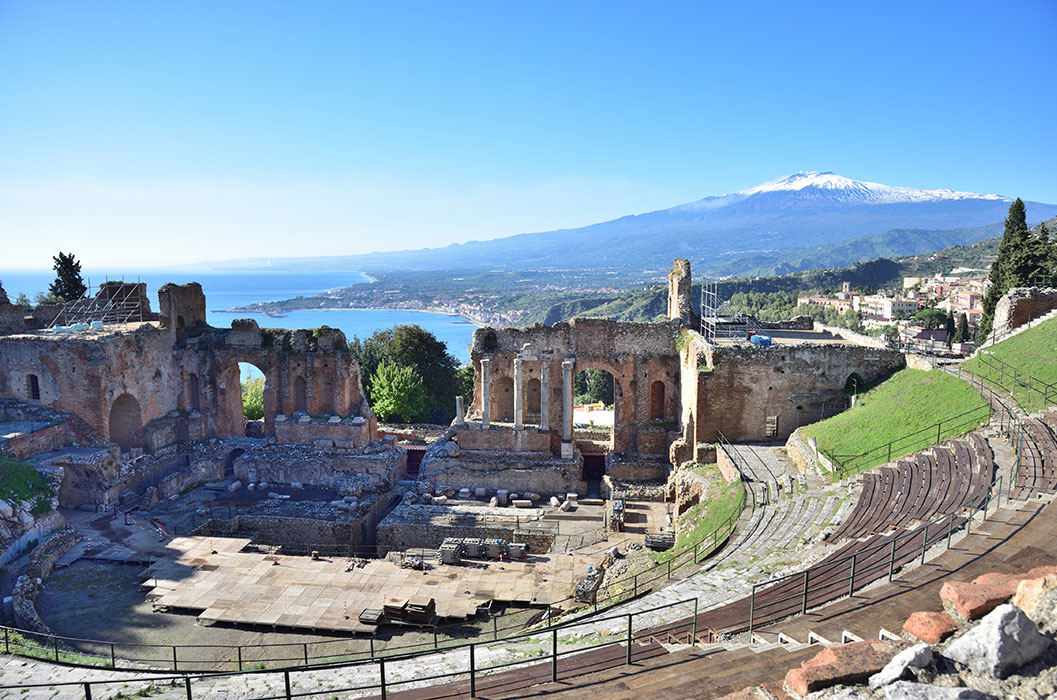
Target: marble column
x,y
486,390
518,394
459,412
545,422
567,400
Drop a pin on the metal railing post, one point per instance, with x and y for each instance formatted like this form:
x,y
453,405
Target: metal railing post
x,y
628,661
286,682
851,583
7,643
187,687
950,528
239,649
381,675
803,604
174,662
693,627
752,608
892,561
473,674
56,641
924,542
306,653
87,691
554,655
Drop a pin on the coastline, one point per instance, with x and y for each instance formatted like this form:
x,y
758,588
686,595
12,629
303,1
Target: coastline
x,y
274,314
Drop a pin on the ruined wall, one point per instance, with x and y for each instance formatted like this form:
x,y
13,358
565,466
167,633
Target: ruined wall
x,y
1021,305
679,282
331,430
511,471
745,385
636,354
377,468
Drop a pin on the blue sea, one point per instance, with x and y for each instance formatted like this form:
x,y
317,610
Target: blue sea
x,y
225,290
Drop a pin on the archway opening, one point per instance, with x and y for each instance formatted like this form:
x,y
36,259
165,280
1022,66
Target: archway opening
x,y
855,384
531,411
503,400
657,409
253,383
594,418
32,387
126,423
229,461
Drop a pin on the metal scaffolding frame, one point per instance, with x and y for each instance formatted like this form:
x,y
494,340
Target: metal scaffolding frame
x,y
719,319
121,307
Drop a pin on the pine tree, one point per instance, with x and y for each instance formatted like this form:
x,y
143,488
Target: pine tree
x,y
68,283
1047,253
1015,265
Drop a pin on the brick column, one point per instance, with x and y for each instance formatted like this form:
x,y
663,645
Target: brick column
x,y
486,389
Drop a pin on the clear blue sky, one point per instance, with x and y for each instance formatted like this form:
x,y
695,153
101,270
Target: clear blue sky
x,y
141,133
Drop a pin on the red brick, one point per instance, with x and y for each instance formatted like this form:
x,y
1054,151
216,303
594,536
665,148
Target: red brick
x,y
844,664
930,627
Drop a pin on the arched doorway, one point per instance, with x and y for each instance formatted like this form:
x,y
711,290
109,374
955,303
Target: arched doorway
x,y
126,423
531,411
657,401
595,398
252,382
503,400
229,461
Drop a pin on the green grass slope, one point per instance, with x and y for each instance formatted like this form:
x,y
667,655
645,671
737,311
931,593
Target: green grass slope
x,y
898,417
1025,366
21,482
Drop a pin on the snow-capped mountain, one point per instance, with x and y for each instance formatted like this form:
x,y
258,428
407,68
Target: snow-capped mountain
x,y
801,212
841,189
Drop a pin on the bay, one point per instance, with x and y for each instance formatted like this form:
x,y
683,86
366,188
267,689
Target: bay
x,y
225,290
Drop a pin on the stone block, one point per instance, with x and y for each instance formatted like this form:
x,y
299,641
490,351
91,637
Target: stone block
x,y
333,420
930,627
359,420
234,486
1003,641
280,418
968,601
1037,597
521,503
324,442
904,665
345,444
905,690
304,419
480,492
845,664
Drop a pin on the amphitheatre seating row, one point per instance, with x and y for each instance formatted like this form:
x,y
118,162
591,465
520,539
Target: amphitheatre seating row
x,y
919,488
1038,459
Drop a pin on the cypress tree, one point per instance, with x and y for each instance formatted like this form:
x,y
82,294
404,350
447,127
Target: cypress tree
x,y
68,282
962,335
949,326
1015,265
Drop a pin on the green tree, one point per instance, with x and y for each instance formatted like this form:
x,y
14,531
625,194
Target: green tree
x,y
950,326
593,385
3,294
1047,254
1016,264
399,394
68,282
466,378
412,346
23,301
962,334
253,398
931,318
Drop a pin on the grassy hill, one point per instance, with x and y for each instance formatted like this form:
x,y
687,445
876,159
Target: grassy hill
x,y
898,417
1025,366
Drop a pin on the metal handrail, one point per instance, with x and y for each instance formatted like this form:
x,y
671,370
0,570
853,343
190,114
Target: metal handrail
x,y
991,492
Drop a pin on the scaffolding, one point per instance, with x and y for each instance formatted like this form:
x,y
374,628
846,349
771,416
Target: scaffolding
x,y
720,319
114,303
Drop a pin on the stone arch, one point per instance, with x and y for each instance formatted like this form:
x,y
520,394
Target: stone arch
x,y
854,384
657,396
32,387
503,400
192,401
300,395
531,411
126,422
229,461
618,393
